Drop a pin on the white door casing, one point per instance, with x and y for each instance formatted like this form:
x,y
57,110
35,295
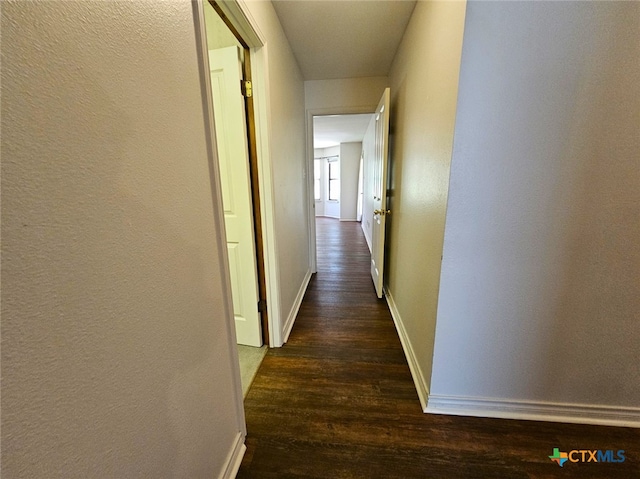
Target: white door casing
x,y
379,190
231,138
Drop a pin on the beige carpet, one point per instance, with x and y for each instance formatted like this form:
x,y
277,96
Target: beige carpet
x,y
250,360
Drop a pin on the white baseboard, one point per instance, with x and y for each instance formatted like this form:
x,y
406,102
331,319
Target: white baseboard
x,y
348,219
505,408
366,237
416,373
234,459
534,410
288,325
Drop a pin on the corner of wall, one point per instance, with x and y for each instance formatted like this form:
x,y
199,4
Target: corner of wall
x,y
425,68
422,387
293,313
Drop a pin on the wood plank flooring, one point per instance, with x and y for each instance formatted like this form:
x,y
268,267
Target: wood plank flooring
x,y
338,401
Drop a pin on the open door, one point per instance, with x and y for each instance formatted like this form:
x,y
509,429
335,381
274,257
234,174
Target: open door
x,y
379,174
231,138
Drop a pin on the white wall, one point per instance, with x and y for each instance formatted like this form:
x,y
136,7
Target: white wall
x,y
349,169
117,349
348,95
424,80
288,157
540,298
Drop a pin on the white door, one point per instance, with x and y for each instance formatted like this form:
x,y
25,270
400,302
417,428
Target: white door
x,y
231,137
379,193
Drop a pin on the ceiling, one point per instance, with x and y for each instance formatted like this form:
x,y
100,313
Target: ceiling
x,y
344,39
331,130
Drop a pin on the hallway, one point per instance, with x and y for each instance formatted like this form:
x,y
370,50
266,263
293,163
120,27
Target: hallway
x,y
338,401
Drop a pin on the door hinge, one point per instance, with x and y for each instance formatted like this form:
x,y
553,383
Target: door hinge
x,y
247,88
262,306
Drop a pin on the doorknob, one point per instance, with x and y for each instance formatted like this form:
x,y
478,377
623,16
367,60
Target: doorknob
x,y
381,212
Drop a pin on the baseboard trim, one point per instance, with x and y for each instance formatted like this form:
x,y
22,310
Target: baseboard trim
x,y
235,458
367,239
504,408
416,372
348,219
288,325
534,410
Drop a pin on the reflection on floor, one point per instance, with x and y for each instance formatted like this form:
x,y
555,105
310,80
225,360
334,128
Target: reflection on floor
x,y
250,359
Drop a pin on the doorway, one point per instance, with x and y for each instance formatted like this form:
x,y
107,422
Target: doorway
x,y
370,182
338,168
231,93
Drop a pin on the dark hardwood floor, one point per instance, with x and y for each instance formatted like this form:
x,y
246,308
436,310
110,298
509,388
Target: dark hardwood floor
x,y
338,401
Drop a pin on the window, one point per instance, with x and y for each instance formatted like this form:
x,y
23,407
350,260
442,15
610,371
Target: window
x,y
334,180
317,177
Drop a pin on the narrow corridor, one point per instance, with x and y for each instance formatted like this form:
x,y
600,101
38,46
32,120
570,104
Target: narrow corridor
x,y
338,401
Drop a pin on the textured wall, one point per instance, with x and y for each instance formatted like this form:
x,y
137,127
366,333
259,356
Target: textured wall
x,y
424,80
116,347
540,298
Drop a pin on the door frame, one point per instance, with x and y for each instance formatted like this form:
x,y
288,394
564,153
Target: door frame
x,y
340,110
239,19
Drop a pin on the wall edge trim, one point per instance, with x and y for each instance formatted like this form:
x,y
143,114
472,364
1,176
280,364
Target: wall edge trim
x,y
416,373
204,72
234,459
288,326
240,15
534,410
